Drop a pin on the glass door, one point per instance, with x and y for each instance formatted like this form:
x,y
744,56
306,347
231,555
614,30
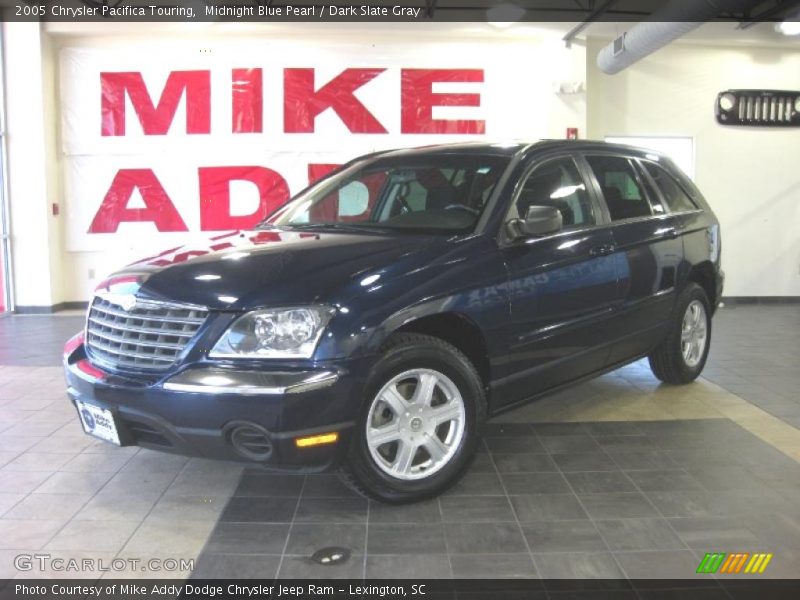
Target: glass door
x,y
5,240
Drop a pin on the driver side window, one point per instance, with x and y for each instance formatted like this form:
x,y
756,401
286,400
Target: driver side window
x,y
556,183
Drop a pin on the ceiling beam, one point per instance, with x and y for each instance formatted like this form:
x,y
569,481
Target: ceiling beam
x,y
591,18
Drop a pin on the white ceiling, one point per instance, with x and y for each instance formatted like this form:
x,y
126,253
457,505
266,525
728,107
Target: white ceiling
x,y
717,33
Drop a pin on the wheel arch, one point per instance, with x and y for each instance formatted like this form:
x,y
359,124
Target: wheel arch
x,y
456,329
703,274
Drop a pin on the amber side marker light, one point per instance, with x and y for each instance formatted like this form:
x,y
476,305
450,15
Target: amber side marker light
x,y
316,440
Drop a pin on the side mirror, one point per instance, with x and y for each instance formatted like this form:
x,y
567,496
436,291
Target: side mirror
x,y
538,221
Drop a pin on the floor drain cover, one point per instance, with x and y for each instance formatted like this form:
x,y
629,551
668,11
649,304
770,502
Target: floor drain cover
x,y
331,556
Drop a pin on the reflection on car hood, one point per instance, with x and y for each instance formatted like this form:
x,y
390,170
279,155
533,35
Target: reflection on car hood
x,y
242,270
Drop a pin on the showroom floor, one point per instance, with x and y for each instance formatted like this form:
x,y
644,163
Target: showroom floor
x,y
619,477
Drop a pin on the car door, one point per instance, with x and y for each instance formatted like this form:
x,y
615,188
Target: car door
x,y
646,240
562,287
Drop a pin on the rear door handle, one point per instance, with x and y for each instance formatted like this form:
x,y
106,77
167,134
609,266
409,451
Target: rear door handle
x,y
602,250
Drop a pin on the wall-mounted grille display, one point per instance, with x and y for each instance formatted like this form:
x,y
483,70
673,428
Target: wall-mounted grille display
x,y
759,108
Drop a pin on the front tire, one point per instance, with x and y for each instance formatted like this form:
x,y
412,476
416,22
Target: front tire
x,y
681,356
420,423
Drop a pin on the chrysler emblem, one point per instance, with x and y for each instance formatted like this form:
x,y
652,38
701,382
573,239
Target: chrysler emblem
x,y
126,302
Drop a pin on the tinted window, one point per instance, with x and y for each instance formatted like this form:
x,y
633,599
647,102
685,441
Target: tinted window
x,y
445,191
623,194
556,183
677,200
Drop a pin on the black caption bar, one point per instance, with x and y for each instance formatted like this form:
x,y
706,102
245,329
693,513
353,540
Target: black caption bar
x,y
503,11
544,589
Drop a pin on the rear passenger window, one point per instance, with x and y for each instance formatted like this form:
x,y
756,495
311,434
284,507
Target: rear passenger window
x,y
621,189
556,183
677,200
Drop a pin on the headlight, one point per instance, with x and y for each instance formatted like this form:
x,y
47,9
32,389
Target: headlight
x,y
274,333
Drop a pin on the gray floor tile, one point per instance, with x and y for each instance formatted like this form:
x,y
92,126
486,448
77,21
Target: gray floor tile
x,y
247,538
476,509
414,566
557,429
563,536
236,566
702,533
599,482
91,536
573,444
254,483
528,444
477,484
332,510
419,512
27,534
685,503
301,567
535,483
307,538
594,461
405,539
524,463
493,566
661,564
639,534
664,479
60,507
327,486
622,505
626,443
547,507
632,460
592,565
259,510
484,538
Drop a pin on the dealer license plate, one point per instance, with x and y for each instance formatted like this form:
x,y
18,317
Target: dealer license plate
x,y
98,422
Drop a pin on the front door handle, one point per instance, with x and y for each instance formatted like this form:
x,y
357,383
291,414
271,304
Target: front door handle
x,y
602,250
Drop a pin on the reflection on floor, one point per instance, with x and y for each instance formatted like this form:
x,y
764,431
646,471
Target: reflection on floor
x,y
618,477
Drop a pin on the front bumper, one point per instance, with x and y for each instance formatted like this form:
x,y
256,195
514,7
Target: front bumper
x,y
220,412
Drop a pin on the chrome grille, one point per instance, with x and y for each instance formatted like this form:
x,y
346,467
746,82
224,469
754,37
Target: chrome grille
x,y
148,337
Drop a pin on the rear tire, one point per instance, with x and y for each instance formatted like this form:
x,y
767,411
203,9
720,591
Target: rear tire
x,y
420,423
681,356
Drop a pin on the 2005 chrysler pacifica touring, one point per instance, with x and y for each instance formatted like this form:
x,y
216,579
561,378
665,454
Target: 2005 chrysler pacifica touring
x,y
374,321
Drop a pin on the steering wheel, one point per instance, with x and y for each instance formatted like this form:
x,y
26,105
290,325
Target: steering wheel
x,y
468,209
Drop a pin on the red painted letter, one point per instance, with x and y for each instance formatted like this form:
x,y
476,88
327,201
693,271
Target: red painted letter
x,y
114,209
156,120
301,104
215,196
418,100
247,101
317,171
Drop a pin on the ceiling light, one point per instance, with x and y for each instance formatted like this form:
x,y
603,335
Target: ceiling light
x,y
790,25
504,15
788,28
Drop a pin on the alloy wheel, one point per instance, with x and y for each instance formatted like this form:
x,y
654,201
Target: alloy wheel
x,y
415,424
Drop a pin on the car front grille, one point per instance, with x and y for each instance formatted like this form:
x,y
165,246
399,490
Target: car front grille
x,y
147,337
757,108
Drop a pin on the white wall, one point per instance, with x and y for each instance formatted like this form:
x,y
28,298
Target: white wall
x,y
749,175
34,231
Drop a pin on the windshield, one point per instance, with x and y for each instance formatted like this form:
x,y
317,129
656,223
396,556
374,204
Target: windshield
x,y
444,192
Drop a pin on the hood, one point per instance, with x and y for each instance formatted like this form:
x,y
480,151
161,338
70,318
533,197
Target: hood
x,y
243,270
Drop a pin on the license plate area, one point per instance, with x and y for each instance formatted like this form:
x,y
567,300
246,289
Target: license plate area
x,y
98,422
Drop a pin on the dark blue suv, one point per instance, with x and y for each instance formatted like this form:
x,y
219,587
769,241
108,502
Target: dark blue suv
x,y
376,320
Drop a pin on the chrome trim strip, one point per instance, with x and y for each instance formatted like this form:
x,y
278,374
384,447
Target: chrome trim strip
x,y
316,381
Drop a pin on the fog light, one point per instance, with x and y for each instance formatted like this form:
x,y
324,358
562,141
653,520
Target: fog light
x,y
317,440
